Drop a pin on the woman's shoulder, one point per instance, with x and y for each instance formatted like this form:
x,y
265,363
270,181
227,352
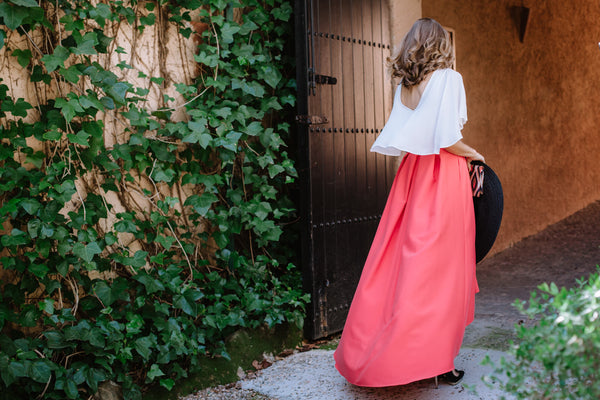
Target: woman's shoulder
x,y
448,77
450,73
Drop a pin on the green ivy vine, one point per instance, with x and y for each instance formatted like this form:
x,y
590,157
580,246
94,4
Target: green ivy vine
x,y
78,305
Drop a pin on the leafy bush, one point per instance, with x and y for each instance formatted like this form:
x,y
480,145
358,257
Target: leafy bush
x,y
78,305
557,356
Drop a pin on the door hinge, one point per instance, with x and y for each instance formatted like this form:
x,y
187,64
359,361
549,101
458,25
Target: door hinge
x,y
311,119
324,79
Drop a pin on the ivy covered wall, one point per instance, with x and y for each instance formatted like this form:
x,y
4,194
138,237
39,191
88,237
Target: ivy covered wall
x,y
144,179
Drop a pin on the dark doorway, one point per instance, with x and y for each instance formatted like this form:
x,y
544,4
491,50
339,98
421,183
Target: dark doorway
x,y
345,97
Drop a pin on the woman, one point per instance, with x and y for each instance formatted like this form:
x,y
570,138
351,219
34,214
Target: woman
x,y
417,290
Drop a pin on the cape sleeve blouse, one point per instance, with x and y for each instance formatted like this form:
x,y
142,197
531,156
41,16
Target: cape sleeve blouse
x,y
434,124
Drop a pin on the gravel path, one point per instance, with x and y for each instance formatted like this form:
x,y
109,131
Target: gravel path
x,y
312,376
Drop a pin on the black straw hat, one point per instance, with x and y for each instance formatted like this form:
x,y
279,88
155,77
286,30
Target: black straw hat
x,y
488,212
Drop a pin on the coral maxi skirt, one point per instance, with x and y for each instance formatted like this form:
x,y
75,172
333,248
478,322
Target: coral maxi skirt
x,y
417,290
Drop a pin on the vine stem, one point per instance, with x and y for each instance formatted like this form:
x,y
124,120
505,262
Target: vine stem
x,y
181,105
189,263
82,202
31,40
41,396
215,77
75,290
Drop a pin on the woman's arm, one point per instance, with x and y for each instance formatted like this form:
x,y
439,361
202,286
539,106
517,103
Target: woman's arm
x,y
461,149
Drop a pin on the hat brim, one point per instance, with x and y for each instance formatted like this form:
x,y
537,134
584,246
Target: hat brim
x,y
488,212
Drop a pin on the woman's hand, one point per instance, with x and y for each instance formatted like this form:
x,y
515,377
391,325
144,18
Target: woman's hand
x,y
461,149
476,157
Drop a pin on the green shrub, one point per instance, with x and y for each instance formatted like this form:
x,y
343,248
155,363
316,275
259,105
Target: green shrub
x,y
556,357
79,307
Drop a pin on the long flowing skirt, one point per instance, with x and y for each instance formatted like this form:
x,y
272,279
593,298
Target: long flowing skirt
x,y
416,294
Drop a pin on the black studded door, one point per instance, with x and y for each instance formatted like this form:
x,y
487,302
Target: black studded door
x,y
344,98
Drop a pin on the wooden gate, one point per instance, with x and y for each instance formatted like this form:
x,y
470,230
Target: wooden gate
x,y
345,96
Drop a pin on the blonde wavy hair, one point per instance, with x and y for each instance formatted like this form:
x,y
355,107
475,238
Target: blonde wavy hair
x,y
425,48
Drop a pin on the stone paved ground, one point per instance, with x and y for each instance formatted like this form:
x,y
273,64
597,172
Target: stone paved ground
x,y
561,253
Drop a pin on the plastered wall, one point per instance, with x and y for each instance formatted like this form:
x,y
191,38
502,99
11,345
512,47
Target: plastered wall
x,y
158,51
534,107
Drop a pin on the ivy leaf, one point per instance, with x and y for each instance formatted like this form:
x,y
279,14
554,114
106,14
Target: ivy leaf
x,y
143,347
167,383
201,204
188,302
262,210
101,14
248,27
275,169
16,238
125,226
282,13
104,293
55,340
33,227
154,373
148,20
107,103
139,259
219,4
91,101
53,134
161,174
38,75
69,107
270,75
81,138
13,15
71,389
17,369
227,31
254,128
41,371
30,205
86,252
18,109
86,44
39,270
93,376
118,91
57,59
71,74
72,24
152,285
135,324
2,37
252,88
23,57
210,60
47,305
86,47
25,3
94,128
198,133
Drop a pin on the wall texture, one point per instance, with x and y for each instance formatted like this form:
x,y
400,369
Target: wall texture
x,y
533,106
403,14
156,52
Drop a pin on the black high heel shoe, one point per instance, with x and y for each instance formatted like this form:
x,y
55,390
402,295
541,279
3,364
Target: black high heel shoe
x,y
450,377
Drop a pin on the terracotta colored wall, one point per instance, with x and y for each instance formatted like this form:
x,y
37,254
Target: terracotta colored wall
x,y
534,107
403,13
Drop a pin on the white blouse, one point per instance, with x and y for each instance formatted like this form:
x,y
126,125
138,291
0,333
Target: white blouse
x,y
434,124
